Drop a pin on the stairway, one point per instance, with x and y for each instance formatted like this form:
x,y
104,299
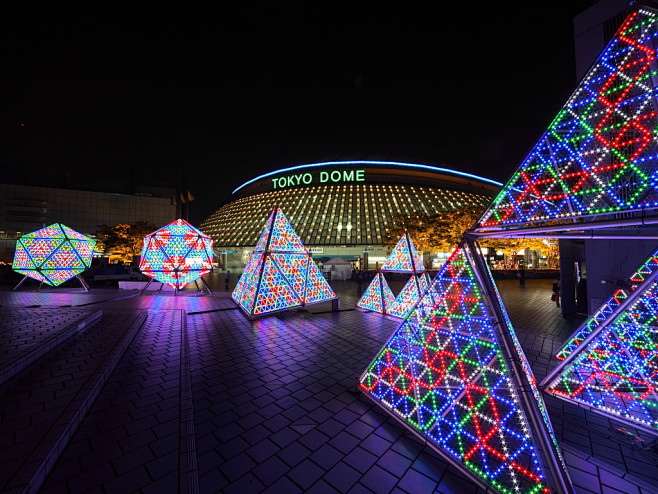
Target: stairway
x,y
53,367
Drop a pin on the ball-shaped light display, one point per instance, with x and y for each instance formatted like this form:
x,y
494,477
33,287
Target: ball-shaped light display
x,y
177,254
53,254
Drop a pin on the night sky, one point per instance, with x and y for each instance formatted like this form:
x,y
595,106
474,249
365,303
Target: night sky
x,y
217,98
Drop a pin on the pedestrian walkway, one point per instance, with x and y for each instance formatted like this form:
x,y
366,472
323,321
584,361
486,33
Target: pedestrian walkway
x,y
185,394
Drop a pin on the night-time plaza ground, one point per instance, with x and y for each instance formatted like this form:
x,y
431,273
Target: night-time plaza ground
x,y
112,391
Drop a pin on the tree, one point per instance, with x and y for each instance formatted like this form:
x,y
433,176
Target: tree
x,y
433,233
442,232
124,241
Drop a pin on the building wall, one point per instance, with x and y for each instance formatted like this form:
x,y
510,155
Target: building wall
x,y
610,262
594,28
334,214
24,209
341,209
606,261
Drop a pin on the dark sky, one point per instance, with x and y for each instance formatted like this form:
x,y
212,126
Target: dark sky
x,y
221,97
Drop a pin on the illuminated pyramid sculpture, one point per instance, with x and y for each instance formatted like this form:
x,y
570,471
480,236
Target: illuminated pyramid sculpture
x,y
176,255
280,274
611,364
53,255
378,297
404,258
610,307
454,373
599,156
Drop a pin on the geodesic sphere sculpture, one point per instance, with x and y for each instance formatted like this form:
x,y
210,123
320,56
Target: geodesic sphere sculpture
x,y
176,254
53,254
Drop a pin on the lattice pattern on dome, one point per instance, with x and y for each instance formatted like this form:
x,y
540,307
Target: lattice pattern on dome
x,y
53,254
238,223
280,274
176,254
444,373
609,306
616,372
599,155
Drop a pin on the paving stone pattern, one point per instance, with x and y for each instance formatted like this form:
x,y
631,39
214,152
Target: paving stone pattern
x,y
279,411
26,334
204,400
42,404
58,297
129,439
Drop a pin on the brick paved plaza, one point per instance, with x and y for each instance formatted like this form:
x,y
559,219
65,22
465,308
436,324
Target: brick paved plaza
x,y
110,391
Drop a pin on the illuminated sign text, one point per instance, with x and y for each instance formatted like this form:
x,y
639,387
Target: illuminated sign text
x,y
322,177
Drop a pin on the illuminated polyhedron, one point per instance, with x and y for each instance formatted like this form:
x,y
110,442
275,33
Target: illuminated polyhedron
x,y
280,273
610,364
53,254
452,373
177,254
404,258
455,373
598,156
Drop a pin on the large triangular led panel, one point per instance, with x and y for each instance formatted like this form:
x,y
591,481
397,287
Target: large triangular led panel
x,y
280,274
599,156
378,297
446,375
614,368
177,254
278,235
413,290
610,306
404,258
53,254
244,292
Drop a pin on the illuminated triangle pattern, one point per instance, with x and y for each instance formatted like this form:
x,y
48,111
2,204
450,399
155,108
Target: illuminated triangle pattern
x,y
616,371
177,254
278,235
404,258
598,157
280,274
410,295
444,373
244,292
378,297
53,254
607,309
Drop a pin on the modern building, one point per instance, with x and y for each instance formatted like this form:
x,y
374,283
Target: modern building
x,y
592,269
25,208
341,208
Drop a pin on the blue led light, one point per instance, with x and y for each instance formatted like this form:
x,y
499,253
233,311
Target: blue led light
x,y
358,163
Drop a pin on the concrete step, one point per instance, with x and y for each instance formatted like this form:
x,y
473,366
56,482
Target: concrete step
x,y
42,405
